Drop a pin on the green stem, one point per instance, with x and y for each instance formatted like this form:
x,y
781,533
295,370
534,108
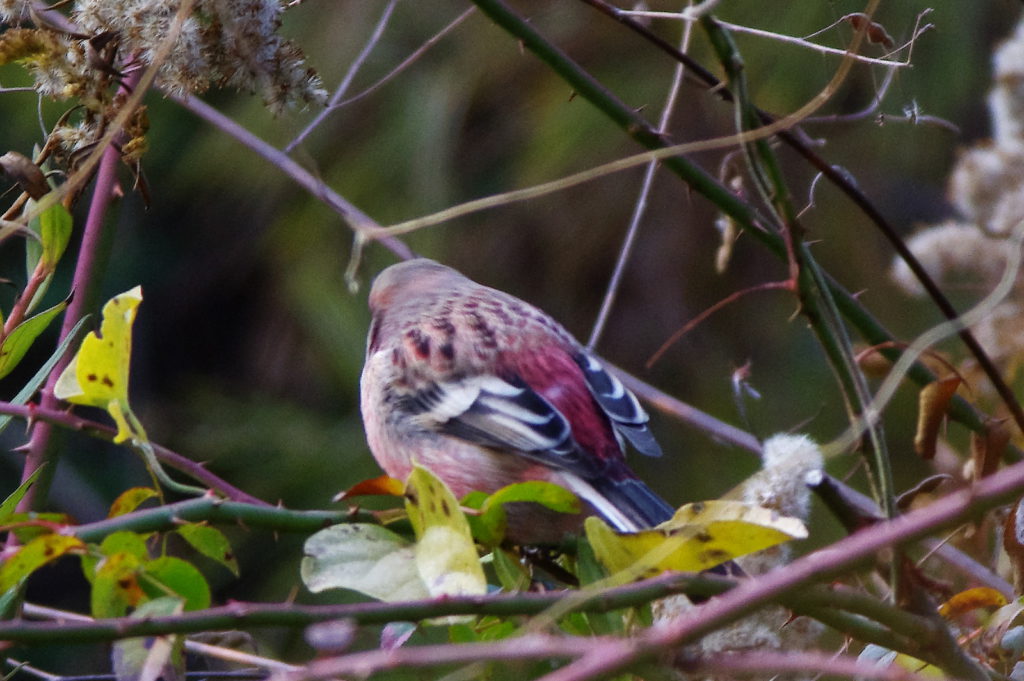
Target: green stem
x,y
249,615
211,509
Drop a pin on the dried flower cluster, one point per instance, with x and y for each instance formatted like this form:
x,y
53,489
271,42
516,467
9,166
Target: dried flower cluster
x,y
230,43
987,190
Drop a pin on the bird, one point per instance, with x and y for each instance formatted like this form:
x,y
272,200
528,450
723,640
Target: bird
x,y
485,390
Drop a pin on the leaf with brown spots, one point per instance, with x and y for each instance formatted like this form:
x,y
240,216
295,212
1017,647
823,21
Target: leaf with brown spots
x,y
98,374
34,555
131,499
445,553
699,536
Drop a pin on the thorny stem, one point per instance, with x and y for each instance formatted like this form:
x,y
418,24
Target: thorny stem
x,y
211,509
641,203
861,615
21,305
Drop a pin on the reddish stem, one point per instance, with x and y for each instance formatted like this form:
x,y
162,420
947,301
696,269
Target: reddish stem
x,y
39,450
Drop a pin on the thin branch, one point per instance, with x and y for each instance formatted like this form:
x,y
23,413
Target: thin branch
x,y
717,429
526,647
787,286
792,40
851,613
412,58
350,75
194,647
355,218
640,208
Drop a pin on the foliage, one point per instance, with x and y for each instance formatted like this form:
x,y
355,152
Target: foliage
x,y
246,350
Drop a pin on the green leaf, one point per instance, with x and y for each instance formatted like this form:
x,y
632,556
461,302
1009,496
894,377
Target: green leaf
x,y
24,335
512,574
125,542
34,555
36,382
173,576
33,524
210,542
131,499
55,230
12,500
9,602
589,571
369,559
554,497
52,229
490,524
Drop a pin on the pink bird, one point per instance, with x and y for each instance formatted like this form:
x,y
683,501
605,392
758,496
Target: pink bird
x,y
486,390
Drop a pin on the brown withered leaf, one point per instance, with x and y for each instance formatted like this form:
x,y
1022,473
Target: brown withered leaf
x,y
931,410
1013,543
27,174
906,500
987,448
875,32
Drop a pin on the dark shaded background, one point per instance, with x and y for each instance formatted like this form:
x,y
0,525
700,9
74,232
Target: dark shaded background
x,y
249,346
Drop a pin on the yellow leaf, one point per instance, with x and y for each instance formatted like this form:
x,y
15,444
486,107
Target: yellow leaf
x,y
697,537
965,601
34,555
445,553
98,374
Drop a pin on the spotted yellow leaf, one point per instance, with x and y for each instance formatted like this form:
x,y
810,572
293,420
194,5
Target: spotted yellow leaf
x,y
445,553
697,537
98,374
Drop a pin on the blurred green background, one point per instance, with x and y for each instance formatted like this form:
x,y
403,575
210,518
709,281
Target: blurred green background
x,y
248,345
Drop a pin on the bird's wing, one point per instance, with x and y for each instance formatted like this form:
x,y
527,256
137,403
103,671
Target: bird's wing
x,y
503,414
627,416
508,416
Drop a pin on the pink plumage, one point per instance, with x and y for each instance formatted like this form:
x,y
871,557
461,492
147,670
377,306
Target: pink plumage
x,y
486,390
